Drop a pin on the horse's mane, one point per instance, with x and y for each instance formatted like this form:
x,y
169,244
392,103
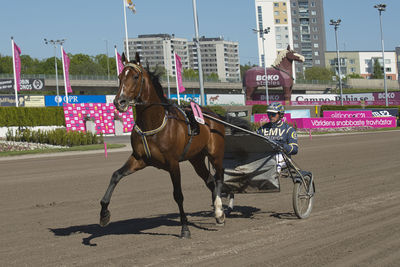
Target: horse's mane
x,y
155,79
280,57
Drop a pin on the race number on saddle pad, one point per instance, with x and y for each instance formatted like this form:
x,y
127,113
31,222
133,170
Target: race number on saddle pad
x,y
198,115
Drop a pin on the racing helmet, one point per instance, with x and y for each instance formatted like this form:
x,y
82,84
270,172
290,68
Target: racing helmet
x,y
276,107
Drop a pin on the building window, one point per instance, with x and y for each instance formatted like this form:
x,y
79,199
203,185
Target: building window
x,y
315,37
388,69
277,29
285,20
313,13
367,61
314,20
294,20
276,4
294,4
316,45
367,70
316,53
352,70
276,13
296,37
352,61
387,61
278,45
277,21
278,37
315,29
317,61
313,4
295,45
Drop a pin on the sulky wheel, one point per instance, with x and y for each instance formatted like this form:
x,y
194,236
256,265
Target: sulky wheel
x,y
303,200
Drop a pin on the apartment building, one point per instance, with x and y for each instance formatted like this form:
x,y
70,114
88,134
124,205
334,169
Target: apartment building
x,y
362,62
299,23
217,55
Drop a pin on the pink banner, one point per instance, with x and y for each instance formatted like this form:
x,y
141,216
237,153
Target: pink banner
x,y
103,115
120,65
311,123
263,118
331,103
66,62
343,114
17,62
179,73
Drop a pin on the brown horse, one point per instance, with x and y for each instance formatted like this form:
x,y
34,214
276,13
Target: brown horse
x,y
281,74
160,138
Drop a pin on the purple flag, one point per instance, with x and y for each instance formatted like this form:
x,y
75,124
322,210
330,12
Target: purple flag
x,y
17,64
120,66
178,64
66,63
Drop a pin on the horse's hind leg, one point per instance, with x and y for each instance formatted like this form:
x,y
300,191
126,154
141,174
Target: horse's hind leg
x,y
202,171
175,174
129,167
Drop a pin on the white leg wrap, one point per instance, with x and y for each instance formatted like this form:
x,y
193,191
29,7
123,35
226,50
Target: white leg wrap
x,y
230,205
218,207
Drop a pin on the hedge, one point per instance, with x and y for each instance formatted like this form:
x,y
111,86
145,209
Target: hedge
x,y
55,137
24,116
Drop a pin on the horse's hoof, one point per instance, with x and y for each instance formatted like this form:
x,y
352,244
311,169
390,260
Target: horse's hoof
x,y
104,218
185,234
221,220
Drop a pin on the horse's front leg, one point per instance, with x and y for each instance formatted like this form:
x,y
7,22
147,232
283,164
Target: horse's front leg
x,y
175,174
219,212
131,166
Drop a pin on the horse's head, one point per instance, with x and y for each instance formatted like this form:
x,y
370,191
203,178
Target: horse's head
x,y
293,56
131,84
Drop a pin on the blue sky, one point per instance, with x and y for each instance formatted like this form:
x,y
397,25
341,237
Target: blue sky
x,y
87,24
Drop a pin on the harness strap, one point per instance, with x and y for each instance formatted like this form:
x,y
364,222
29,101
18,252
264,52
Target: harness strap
x,y
187,146
147,133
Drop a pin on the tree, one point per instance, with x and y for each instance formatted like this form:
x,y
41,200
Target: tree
x,y
377,74
354,76
319,74
6,64
244,68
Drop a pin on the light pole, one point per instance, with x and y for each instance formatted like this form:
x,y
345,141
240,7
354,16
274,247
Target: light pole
x,y
336,24
382,7
197,42
55,43
108,63
167,59
262,32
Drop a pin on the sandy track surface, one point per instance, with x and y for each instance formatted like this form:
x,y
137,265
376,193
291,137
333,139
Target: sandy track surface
x,y
50,207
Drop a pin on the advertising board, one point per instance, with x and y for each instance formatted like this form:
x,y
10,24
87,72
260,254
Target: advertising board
x,y
53,100
220,99
26,84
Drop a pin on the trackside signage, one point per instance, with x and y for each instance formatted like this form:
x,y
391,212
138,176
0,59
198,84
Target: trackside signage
x,y
263,118
311,123
52,100
340,114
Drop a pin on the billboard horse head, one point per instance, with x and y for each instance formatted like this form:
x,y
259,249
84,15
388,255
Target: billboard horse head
x,y
279,75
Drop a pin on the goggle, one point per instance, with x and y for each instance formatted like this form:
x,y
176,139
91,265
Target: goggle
x,y
272,114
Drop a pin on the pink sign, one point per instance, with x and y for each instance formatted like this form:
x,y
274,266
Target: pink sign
x,y
178,64
102,114
339,114
120,65
263,118
66,63
310,123
17,64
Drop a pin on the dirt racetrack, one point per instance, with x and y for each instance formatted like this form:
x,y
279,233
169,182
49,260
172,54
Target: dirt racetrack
x,y
50,207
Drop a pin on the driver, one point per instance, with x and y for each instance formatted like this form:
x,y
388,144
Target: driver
x,y
280,132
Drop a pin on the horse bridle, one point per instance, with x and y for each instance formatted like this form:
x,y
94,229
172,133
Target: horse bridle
x,y
135,101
